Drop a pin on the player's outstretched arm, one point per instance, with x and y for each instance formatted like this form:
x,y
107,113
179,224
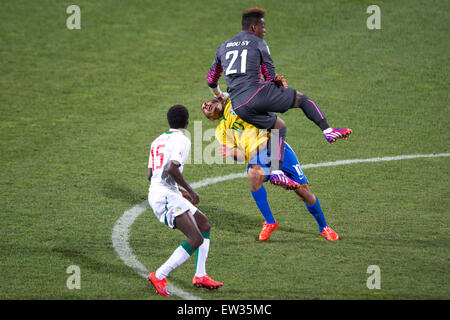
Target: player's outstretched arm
x,y
226,151
212,78
174,171
220,96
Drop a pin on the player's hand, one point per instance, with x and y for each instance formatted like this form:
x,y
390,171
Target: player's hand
x,y
194,196
224,96
225,151
186,195
280,81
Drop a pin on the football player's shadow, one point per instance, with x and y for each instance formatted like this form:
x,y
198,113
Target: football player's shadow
x,y
250,224
232,221
85,257
116,191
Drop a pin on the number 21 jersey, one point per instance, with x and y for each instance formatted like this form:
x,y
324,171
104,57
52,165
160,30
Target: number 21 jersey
x,y
247,64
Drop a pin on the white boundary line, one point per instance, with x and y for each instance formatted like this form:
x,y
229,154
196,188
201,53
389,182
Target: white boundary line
x,y
121,230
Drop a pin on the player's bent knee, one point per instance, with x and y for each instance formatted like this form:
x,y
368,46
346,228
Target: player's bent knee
x,y
256,176
196,241
298,99
204,224
252,172
279,124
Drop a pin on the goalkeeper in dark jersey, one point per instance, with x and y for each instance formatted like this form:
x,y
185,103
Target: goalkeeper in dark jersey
x,y
256,91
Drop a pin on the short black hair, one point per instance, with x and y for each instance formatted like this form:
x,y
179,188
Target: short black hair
x,y
178,116
251,17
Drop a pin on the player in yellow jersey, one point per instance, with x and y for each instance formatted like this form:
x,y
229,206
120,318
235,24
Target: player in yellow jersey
x,y
233,132
244,142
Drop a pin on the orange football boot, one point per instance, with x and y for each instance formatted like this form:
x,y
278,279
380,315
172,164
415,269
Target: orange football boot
x,y
267,230
160,285
330,234
206,282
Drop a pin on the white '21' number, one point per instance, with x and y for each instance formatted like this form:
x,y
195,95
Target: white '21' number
x,y
234,54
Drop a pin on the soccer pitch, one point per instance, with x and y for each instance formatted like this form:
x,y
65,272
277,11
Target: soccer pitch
x,y
80,107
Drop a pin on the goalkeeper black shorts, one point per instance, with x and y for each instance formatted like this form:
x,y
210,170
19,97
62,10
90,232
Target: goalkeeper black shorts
x,y
258,107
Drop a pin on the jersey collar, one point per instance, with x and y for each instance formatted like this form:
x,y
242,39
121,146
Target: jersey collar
x,y
175,130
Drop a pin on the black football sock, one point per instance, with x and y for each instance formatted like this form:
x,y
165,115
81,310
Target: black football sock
x,y
313,112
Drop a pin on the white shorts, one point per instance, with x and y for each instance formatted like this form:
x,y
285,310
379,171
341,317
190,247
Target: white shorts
x,y
168,204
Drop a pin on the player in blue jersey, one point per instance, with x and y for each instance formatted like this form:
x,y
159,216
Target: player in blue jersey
x,y
245,142
256,91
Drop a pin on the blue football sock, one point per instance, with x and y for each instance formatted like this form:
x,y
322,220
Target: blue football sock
x,y
260,197
317,213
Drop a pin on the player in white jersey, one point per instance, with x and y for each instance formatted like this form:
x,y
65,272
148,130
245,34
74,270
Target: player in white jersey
x,y
168,154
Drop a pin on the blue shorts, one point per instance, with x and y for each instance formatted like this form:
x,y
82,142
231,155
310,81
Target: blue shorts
x,y
290,166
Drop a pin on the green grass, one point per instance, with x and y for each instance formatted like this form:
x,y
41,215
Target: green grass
x,y
79,109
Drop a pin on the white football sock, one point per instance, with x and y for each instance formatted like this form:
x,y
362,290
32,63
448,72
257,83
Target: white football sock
x,y
178,257
202,255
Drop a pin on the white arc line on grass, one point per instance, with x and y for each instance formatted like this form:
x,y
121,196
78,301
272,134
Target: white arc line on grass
x,y
121,229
